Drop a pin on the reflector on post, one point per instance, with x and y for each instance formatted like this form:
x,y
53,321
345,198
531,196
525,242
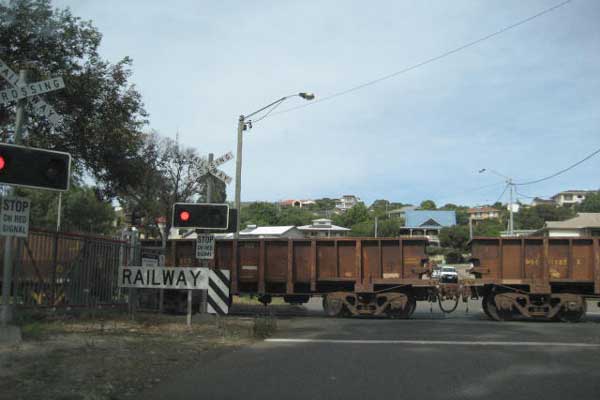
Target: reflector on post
x,y
201,216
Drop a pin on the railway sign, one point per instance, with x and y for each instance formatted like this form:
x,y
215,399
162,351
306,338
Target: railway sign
x,y
31,89
14,216
39,105
163,277
205,246
207,167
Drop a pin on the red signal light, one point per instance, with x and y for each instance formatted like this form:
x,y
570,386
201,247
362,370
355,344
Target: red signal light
x,y
2,163
184,216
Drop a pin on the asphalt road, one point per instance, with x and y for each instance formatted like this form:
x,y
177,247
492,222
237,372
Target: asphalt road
x,y
432,356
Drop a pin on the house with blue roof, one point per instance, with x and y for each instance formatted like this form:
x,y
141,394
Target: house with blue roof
x,y
427,223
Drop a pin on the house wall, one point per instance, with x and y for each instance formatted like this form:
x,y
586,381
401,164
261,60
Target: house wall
x,y
568,198
565,232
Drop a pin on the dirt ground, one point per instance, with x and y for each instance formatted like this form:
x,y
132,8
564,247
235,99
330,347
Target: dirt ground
x,y
110,356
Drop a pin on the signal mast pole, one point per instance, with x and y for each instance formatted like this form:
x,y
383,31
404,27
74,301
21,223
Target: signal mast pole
x,y
6,316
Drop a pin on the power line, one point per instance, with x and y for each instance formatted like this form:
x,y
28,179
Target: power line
x,y
502,194
562,171
474,189
428,61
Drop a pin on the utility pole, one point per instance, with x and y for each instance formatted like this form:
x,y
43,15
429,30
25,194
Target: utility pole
x,y
470,228
376,227
511,230
238,174
209,182
59,212
7,307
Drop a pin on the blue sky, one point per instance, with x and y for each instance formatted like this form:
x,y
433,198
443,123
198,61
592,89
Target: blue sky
x,y
524,103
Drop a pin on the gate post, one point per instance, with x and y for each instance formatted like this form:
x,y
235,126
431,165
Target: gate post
x,y
53,275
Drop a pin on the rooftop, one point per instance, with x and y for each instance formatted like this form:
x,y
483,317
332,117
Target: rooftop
x,y
265,230
429,218
481,209
323,224
581,220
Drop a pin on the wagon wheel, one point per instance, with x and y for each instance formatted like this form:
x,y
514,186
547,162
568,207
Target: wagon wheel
x,y
565,315
489,307
333,307
407,311
503,313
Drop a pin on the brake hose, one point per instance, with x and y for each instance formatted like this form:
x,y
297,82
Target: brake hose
x,y
442,307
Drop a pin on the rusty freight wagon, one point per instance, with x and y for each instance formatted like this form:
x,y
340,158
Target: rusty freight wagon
x,y
355,276
535,277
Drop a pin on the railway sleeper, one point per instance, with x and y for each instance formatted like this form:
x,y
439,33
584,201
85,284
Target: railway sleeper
x,y
565,307
391,304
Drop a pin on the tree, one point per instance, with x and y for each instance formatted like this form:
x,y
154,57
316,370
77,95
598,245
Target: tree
x,y
535,217
455,237
389,227
323,204
353,216
103,114
259,213
294,216
363,228
82,210
489,227
171,175
591,203
427,205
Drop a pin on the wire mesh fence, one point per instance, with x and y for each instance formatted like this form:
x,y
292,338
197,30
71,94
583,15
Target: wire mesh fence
x,y
57,269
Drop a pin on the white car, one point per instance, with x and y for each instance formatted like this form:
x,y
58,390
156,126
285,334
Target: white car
x,y
448,274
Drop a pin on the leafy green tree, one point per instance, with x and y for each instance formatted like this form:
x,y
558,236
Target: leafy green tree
x,y
427,205
364,228
294,216
455,237
323,204
82,210
389,227
260,213
590,204
355,215
489,227
535,217
172,176
103,113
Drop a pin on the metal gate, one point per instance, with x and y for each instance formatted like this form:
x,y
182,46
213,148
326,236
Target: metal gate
x,y
57,269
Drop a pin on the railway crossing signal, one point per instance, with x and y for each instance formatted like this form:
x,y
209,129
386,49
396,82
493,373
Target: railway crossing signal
x,y
31,91
201,216
207,167
34,168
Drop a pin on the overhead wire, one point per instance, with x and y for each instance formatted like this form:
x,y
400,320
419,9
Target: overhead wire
x,y
562,171
502,194
427,61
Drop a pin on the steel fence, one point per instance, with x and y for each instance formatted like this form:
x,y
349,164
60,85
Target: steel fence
x,y
57,269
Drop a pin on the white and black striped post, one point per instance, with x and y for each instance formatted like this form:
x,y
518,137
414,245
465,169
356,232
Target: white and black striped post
x,y
218,300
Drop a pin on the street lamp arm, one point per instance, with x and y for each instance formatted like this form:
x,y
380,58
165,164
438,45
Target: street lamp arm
x,y
268,106
495,173
304,95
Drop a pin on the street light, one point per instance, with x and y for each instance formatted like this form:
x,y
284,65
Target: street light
x,y
245,123
510,184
